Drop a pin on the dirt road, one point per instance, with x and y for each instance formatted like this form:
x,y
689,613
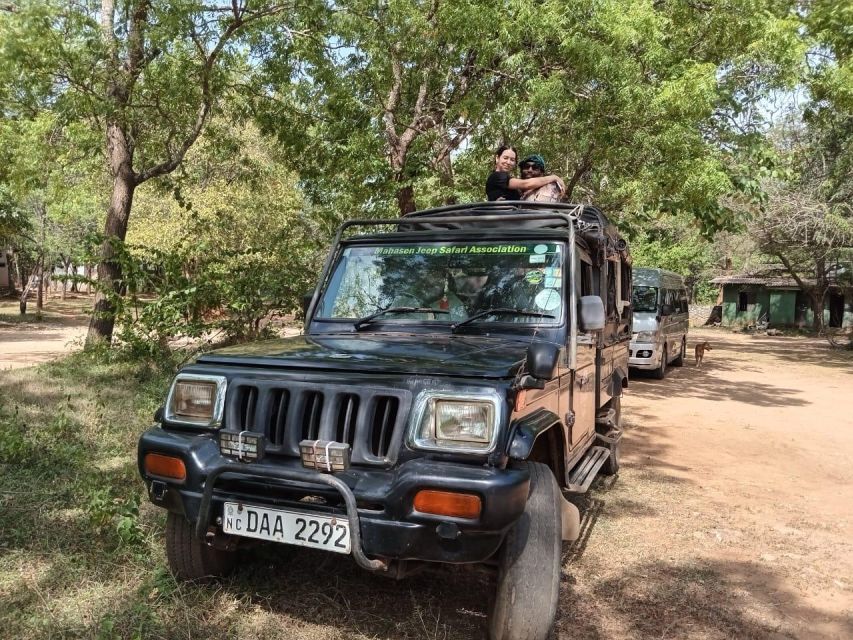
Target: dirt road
x,y
733,516
25,342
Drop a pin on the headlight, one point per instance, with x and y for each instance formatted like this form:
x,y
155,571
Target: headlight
x,y
645,336
457,423
196,400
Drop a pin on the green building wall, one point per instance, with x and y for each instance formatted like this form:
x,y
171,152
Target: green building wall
x,y
783,307
731,315
777,306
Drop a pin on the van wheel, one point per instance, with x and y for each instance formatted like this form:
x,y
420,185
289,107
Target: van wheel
x,y
660,372
190,558
679,361
611,467
528,586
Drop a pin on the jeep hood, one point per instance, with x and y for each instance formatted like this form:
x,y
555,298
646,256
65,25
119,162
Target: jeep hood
x,y
429,355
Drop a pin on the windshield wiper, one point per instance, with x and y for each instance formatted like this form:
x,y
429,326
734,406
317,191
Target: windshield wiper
x,y
496,312
366,320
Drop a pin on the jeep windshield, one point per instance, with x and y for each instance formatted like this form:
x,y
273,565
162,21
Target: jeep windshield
x,y
455,279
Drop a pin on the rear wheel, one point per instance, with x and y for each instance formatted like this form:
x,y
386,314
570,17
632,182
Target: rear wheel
x,y
679,361
660,372
528,585
190,558
611,467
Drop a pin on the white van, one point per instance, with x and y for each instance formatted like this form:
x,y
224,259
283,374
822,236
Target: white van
x,y
661,320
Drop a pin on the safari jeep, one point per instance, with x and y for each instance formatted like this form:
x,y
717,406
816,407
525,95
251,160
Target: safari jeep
x,y
459,375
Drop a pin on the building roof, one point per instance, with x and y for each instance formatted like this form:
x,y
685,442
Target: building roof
x,y
771,282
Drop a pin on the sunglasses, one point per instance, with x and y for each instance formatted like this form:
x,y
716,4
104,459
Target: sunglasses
x,y
528,165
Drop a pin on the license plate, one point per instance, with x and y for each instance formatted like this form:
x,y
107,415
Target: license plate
x,y
291,527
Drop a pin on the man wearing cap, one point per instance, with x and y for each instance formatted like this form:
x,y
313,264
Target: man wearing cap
x,y
533,166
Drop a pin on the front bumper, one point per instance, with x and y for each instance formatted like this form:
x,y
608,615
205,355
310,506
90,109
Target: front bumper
x,y
377,501
643,355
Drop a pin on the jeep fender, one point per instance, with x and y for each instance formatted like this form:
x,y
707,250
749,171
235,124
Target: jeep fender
x,y
618,380
526,430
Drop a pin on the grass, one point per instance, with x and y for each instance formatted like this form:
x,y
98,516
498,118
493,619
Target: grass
x,y
73,309
81,548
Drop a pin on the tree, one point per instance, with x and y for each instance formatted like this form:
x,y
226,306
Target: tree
x,y
50,184
148,75
643,107
228,245
397,88
811,239
674,242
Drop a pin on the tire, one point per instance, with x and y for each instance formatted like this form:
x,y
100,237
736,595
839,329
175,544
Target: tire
x,y
679,361
528,585
660,372
611,467
190,558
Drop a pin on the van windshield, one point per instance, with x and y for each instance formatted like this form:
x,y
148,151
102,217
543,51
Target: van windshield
x,y
645,299
457,279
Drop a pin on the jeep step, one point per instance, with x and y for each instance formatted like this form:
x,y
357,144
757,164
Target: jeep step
x,y
586,470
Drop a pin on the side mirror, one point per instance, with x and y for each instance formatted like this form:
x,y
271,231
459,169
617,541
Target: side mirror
x,y
542,360
591,314
306,302
666,310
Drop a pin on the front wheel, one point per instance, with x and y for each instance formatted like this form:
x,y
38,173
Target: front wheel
x,y
528,587
190,558
660,372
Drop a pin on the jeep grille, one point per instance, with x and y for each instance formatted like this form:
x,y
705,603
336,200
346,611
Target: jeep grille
x,y
370,421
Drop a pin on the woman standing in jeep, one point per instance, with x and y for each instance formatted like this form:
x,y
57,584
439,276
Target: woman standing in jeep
x,y
501,185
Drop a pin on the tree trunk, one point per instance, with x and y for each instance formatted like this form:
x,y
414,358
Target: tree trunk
x,y
40,291
444,165
817,297
406,199
71,271
66,264
26,288
109,271
18,281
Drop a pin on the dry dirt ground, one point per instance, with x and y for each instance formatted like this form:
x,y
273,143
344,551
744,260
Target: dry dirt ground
x,y
25,341
732,517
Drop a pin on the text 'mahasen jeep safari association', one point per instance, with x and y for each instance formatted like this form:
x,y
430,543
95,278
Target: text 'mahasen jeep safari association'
x,y
459,375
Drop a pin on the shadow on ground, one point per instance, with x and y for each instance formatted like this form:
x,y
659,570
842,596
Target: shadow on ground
x,y
703,599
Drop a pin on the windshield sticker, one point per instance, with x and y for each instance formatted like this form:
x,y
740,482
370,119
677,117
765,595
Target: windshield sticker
x,y
547,299
443,250
534,277
553,283
540,248
540,259
554,272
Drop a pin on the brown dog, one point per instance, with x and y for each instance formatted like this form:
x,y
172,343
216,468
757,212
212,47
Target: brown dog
x,y
700,351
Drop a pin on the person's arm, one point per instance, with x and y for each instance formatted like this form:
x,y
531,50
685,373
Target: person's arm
x,y
525,184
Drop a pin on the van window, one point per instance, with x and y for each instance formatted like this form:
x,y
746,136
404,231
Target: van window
x,y
645,299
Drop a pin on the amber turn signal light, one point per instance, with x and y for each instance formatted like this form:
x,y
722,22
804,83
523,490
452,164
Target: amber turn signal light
x,y
157,464
448,503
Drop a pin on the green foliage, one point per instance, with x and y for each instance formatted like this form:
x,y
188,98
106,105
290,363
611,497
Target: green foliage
x,y
217,250
676,244
114,515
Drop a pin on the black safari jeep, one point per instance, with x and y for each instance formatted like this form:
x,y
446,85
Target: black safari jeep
x,y
459,375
